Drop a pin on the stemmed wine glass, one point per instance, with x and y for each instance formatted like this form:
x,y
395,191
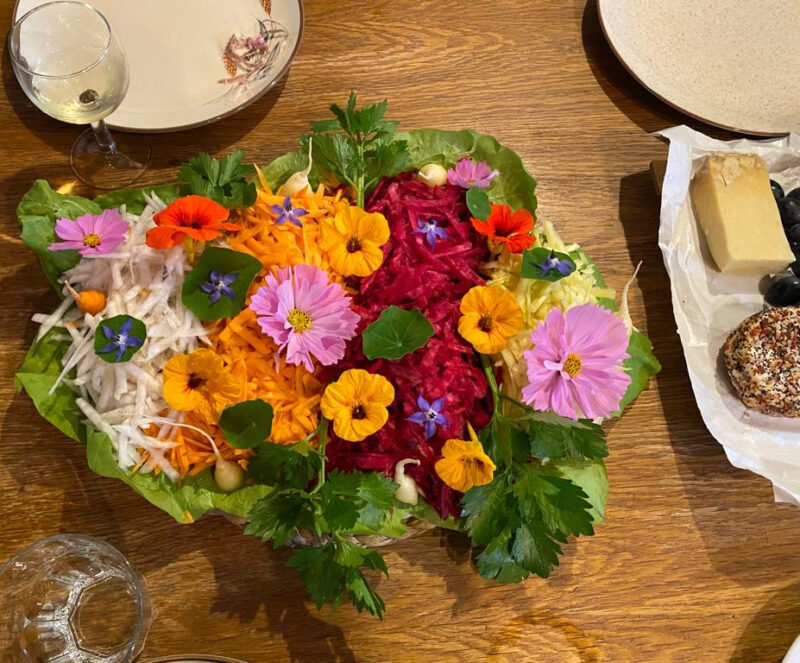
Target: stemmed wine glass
x,y
72,67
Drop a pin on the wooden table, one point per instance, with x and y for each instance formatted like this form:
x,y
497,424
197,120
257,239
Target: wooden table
x,y
695,562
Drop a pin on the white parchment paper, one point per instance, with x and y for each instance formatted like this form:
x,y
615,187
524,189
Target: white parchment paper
x,y
708,305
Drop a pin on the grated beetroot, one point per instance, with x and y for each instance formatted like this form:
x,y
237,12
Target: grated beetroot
x,y
433,280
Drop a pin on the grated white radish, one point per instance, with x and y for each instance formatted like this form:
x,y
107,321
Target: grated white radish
x,y
121,399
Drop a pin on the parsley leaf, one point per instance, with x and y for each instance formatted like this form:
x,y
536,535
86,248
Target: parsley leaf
x,y
221,180
358,147
278,515
280,465
561,438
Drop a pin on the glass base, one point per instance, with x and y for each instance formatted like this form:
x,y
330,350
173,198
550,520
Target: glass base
x,y
110,170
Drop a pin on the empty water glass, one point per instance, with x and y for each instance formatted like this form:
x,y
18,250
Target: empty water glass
x,y
72,599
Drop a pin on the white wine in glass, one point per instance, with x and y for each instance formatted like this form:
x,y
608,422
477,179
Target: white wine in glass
x,y
71,66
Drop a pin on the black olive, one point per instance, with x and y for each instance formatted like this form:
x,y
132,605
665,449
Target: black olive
x,y
794,193
795,267
777,189
793,234
785,291
790,211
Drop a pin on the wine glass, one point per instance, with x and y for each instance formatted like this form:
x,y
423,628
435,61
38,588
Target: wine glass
x,y
72,67
72,599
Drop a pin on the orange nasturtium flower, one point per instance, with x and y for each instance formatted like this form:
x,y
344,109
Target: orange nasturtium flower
x,y
464,464
356,403
198,218
199,382
490,316
353,241
509,228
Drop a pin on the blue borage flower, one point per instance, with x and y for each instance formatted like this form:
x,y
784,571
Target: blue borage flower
x,y
431,231
554,263
120,341
288,212
429,415
219,285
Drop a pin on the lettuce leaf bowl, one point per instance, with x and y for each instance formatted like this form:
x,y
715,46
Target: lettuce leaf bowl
x,y
339,498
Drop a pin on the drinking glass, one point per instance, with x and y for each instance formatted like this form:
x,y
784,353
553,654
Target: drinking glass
x,y
72,67
72,599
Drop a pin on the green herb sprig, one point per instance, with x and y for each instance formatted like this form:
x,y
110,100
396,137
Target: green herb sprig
x,y
359,147
224,180
331,507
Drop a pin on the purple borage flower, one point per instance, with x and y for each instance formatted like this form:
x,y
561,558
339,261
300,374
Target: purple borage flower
x,y
564,267
429,415
218,285
288,212
468,173
120,341
431,231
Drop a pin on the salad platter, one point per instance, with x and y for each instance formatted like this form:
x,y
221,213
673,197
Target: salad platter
x,y
369,336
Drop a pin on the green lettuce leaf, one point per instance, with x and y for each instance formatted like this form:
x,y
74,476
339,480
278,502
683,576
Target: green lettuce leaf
x,y
134,199
192,497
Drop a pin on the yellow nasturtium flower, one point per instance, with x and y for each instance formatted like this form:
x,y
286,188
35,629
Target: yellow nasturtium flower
x,y
199,382
490,316
353,241
464,463
356,403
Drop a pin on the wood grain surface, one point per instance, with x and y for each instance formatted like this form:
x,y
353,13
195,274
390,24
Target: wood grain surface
x,y
695,562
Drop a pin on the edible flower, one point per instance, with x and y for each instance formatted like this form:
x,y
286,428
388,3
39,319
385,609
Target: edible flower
x,y
288,212
120,341
199,383
356,403
468,173
353,241
431,230
575,367
464,463
508,228
219,285
194,217
429,415
554,263
490,316
305,315
91,234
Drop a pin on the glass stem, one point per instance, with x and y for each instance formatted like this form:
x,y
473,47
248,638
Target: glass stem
x,y
103,136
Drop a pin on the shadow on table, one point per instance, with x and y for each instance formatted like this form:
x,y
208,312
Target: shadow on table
x,y
711,484
772,630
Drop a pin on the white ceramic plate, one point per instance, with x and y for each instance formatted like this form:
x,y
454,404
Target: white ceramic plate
x,y
732,63
175,50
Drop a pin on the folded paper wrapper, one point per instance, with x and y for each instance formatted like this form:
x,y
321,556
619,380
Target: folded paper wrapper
x,y
708,305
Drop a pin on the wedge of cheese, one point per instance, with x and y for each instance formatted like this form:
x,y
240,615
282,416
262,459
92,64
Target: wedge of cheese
x,y
738,215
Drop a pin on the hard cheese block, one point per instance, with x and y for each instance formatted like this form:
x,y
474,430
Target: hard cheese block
x,y
738,215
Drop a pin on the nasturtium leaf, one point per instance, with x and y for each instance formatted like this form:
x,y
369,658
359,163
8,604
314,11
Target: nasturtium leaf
x,y
247,424
544,264
396,333
478,203
117,339
223,262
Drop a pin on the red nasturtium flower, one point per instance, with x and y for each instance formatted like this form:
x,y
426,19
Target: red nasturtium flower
x,y
506,227
195,217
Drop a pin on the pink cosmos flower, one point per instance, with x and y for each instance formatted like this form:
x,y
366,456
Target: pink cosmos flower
x,y
575,366
468,173
305,314
91,234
